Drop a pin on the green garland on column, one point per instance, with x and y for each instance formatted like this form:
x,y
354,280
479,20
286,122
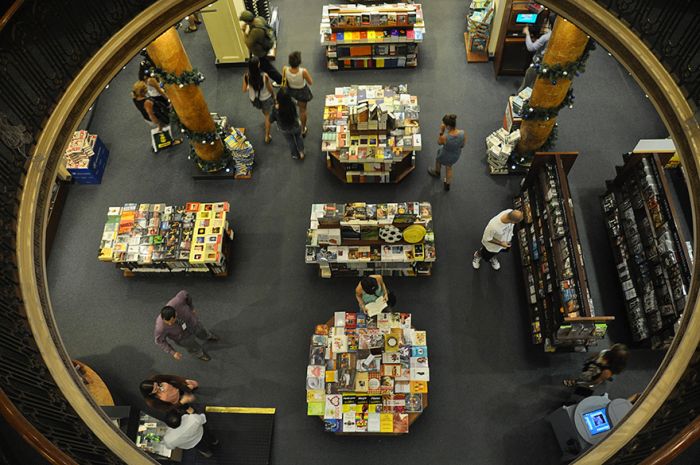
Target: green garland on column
x,y
192,77
544,114
566,70
204,138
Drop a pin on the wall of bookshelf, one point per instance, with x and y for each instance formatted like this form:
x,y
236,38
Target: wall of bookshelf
x,y
159,238
476,39
371,133
360,36
652,254
360,239
561,311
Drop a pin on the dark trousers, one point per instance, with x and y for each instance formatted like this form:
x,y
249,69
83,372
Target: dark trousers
x,y
294,140
190,342
206,444
271,71
485,254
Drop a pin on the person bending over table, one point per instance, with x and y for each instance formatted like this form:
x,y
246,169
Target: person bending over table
x,y
166,393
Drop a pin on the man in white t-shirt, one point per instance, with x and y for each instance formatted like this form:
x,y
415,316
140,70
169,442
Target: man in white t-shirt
x,y
497,237
187,432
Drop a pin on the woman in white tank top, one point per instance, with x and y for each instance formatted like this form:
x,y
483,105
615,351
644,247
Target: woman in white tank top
x,y
297,80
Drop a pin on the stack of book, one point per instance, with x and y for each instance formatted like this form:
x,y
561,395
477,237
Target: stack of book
x,y
371,133
361,36
359,239
86,158
163,238
367,374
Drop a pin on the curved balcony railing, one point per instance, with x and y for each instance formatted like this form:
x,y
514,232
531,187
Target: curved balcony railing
x,y
54,64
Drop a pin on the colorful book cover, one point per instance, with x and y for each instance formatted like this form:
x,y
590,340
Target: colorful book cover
x,y
387,384
374,383
419,387
419,351
334,406
315,408
400,422
315,395
414,403
331,376
349,422
386,422
361,382
316,371
350,320
421,338
361,422
333,425
420,374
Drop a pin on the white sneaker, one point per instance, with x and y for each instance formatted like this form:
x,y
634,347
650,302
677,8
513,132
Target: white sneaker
x,y
476,261
495,264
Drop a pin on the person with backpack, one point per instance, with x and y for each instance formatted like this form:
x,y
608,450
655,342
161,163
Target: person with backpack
x,y
259,88
155,110
260,38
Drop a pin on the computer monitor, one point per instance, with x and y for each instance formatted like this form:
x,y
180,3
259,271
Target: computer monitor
x,y
526,18
596,421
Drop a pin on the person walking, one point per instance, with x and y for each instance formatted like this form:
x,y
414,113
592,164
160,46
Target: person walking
x,y
168,392
600,368
297,80
452,141
288,123
497,237
154,112
178,322
193,20
260,93
188,431
369,289
260,39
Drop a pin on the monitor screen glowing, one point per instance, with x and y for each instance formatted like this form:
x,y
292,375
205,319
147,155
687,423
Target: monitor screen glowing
x,y
597,421
526,18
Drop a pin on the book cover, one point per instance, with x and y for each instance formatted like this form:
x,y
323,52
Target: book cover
x,y
420,374
316,371
373,422
419,362
317,355
402,387
314,383
386,422
419,351
321,329
339,344
350,320
391,357
374,383
361,422
361,381
339,319
414,403
334,406
331,376
419,387
400,422
391,343
387,384
392,370
315,408
349,422
316,395
333,425
346,371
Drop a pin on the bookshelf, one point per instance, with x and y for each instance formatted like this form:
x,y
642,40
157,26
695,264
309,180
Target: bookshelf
x,y
367,375
476,39
358,36
371,133
360,239
159,238
652,254
561,311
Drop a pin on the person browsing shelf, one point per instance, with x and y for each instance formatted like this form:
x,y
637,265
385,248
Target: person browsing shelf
x,y
288,123
168,392
297,80
179,323
260,92
452,141
370,289
537,48
497,237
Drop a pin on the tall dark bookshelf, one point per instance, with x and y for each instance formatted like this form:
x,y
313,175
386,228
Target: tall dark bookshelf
x,y
561,311
652,257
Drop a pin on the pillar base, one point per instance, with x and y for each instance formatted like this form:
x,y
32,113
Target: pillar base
x,y
209,167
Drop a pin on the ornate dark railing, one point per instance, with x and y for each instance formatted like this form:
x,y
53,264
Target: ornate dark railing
x,y
671,29
43,46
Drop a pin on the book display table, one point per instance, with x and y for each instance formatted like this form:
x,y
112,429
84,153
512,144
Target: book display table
x,y
367,375
159,238
371,133
360,239
372,36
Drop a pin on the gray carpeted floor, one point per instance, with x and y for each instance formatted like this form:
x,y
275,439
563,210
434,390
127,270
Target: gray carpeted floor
x,y
490,388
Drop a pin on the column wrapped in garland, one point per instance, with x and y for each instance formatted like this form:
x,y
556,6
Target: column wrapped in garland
x,y
566,55
173,68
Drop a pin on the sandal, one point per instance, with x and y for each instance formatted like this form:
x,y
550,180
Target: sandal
x,y
304,131
177,141
569,382
190,29
268,139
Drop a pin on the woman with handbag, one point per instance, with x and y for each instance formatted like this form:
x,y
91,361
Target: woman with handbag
x,y
288,122
297,81
168,392
599,368
260,92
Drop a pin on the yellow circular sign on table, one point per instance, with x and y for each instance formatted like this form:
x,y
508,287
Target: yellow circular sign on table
x,y
414,233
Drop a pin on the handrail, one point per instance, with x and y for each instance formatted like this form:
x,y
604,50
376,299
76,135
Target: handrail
x,y
600,24
675,446
678,117
32,216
